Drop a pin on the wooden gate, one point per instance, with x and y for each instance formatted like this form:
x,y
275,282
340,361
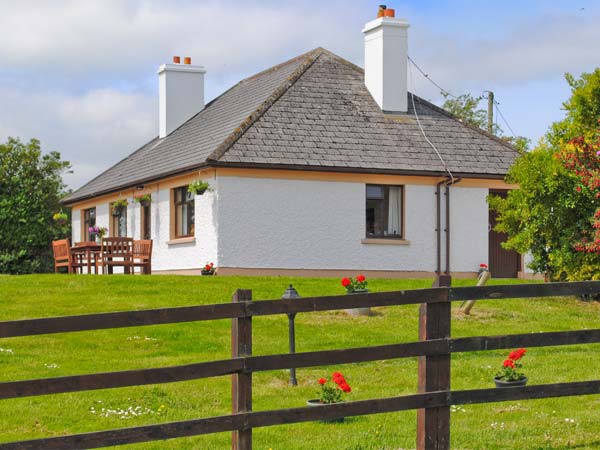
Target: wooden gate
x,y
502,263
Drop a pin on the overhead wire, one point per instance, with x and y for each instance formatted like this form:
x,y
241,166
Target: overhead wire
x,y
412,96
446,92
426,75
504,119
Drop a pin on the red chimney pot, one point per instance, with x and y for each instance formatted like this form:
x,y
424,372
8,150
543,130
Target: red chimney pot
x,y
176,59
187,60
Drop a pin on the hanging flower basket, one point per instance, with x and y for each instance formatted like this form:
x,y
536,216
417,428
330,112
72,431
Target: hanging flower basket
x,y
198,187
143,200
60,218
118,207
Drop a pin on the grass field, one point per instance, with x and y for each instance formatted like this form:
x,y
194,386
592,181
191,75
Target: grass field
x,y
539,424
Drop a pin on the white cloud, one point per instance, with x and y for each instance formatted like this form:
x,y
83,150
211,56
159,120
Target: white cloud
x,y
530,49
113,36
91,130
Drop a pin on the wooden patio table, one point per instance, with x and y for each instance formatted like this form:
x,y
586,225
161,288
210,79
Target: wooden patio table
x,y
89,250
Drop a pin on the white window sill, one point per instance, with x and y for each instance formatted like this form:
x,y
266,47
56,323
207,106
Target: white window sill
x,y
382,241
185,240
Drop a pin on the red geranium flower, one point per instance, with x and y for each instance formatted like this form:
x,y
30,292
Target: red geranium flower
x,y
360,278
509,363
346,282
322,381
515,355
345,387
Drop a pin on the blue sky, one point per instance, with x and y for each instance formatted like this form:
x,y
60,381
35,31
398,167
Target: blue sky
x,y
81,75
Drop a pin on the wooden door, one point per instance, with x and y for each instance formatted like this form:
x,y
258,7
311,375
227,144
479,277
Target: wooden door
x,y
502,263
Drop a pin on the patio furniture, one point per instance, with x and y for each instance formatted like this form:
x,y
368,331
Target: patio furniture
x,y
87,254
63,256
142,255
117,252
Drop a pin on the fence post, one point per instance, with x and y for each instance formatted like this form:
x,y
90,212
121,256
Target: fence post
x,y
241,383
433,424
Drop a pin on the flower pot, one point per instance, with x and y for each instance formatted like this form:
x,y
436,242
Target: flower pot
x,y
207,272
316,402
505,384
145,203
359,311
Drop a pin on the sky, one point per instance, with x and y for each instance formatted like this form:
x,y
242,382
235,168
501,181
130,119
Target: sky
x,y
80,75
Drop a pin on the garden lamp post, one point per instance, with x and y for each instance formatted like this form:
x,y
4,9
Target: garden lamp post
x,y
291,293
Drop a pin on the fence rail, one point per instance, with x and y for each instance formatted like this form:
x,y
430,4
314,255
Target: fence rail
x,y
434,349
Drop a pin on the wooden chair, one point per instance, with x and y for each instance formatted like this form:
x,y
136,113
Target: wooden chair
x,y
63,256
117,252
142,255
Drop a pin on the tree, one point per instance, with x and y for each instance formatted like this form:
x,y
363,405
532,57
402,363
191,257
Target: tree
x,y
465,107
555,213
30,190
582,110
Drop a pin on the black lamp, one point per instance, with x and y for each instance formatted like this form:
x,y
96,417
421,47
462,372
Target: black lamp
x,y
290,294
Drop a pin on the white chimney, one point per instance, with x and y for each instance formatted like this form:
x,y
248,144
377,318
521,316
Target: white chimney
x,y
386,61
180,94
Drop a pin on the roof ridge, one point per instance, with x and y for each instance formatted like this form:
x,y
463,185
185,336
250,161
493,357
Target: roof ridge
x,y
310,57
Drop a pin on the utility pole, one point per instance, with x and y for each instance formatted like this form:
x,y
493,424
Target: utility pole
x,y
490,112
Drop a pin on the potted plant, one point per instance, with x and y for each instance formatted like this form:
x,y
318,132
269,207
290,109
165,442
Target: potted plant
x,y
60,218
509,375
143,199
97,233
198,187
331,392
357,286
118,206
208,269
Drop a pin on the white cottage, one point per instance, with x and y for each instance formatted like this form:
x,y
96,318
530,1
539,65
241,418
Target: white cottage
x,y
316,167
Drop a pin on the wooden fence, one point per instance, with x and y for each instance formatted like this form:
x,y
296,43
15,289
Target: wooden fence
x,y
434,349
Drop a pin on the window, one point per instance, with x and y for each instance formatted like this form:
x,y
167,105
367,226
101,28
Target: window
x,y
184,212
384,211
89,220
118,223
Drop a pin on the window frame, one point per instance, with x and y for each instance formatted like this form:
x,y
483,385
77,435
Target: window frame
x,y
114,224
384,208
175,203
145,221
86,223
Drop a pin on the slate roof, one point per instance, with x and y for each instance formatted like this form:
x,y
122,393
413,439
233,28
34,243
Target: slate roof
x,y
311,112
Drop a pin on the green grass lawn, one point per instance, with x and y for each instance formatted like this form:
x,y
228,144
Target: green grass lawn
x,y
536,424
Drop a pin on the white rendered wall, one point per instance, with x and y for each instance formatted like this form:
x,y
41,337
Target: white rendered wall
x,y
190,255
166,254
469,218
76,225
295,224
